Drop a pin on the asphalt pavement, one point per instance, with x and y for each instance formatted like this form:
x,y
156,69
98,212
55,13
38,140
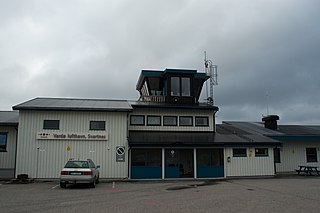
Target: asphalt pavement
x,y
281,194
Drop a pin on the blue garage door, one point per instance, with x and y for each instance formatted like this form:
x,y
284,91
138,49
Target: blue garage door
x,y
210,163
146,164
179,163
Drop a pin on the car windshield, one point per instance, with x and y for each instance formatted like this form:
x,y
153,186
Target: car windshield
x,y
77,164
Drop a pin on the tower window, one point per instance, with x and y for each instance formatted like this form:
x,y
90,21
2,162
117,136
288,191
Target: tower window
x,y
180,86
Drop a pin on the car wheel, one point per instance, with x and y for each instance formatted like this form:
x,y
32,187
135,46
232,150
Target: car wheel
x,y
63,185
97,180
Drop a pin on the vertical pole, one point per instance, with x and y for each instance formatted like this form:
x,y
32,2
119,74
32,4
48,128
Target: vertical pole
x,y
163,163
38,150
195,162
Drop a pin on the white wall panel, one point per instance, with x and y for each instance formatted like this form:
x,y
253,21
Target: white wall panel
x,y
45,158
168,112
293,154
249,166
7,159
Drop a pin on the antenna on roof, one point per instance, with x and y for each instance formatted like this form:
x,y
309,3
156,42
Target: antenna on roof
x,y
212,72
267,97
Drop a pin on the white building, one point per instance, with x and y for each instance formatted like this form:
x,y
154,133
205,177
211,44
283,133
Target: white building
x,y
8,142
52,130
166,134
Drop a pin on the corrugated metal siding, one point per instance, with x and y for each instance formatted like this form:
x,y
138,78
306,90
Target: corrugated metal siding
x,y
45,158
165,112
293,154
7,159
249,166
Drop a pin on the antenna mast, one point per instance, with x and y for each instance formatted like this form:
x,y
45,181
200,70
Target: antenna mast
x,y
212,72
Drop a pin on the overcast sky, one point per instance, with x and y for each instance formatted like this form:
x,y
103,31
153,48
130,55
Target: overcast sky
x,y
96,49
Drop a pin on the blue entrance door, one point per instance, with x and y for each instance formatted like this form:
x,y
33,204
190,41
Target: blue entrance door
x,y
179,163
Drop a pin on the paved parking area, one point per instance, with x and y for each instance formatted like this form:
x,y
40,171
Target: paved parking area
x,y
284,194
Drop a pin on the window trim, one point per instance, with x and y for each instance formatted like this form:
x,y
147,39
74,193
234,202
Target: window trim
x,y
144,120
6,141
92,129
169,116
201,125
261,155
154,116
186,124
239,155
316,155
51,128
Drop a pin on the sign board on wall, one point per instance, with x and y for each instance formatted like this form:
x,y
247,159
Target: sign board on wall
x,y
120,154
72,136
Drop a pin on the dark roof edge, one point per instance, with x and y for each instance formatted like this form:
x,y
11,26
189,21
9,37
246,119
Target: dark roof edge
x,y
217,144
72,109
9,124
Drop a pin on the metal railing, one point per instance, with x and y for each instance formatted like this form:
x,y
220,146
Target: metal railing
x,y
153,98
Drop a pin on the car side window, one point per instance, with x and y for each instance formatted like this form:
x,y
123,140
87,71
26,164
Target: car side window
x,y
91,164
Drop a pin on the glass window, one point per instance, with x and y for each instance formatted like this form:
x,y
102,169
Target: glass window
x,y
137,120
175,86
239,152
169,120
3,141
51,124
154,120
97,125
261,152
138,158
185,121
91,164
154,158
77,164
276,153
151,158
202,121
185,86
210,157
311,154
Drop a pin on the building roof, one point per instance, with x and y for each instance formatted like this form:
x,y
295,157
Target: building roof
x,y
299,130
72,104
282,133
157,73
200,139
240,132
9,118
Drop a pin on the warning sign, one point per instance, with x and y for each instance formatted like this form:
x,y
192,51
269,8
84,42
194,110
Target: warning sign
x,y
120,154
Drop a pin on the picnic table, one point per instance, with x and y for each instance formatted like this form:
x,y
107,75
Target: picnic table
x,y
308,170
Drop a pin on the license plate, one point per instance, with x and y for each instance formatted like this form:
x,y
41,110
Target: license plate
x,y
75,173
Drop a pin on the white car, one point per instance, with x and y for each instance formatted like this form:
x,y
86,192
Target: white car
x,y
79,171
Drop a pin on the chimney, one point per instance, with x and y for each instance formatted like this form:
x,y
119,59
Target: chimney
x,y
270,122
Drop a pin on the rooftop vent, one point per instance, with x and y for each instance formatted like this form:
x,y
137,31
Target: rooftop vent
x,y
270,122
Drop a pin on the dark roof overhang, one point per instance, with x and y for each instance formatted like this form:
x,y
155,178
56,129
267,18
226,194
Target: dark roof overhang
x,y
190,139
202,106
157,73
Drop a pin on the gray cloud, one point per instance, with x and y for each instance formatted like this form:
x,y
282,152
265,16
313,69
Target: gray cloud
x,y
96,49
